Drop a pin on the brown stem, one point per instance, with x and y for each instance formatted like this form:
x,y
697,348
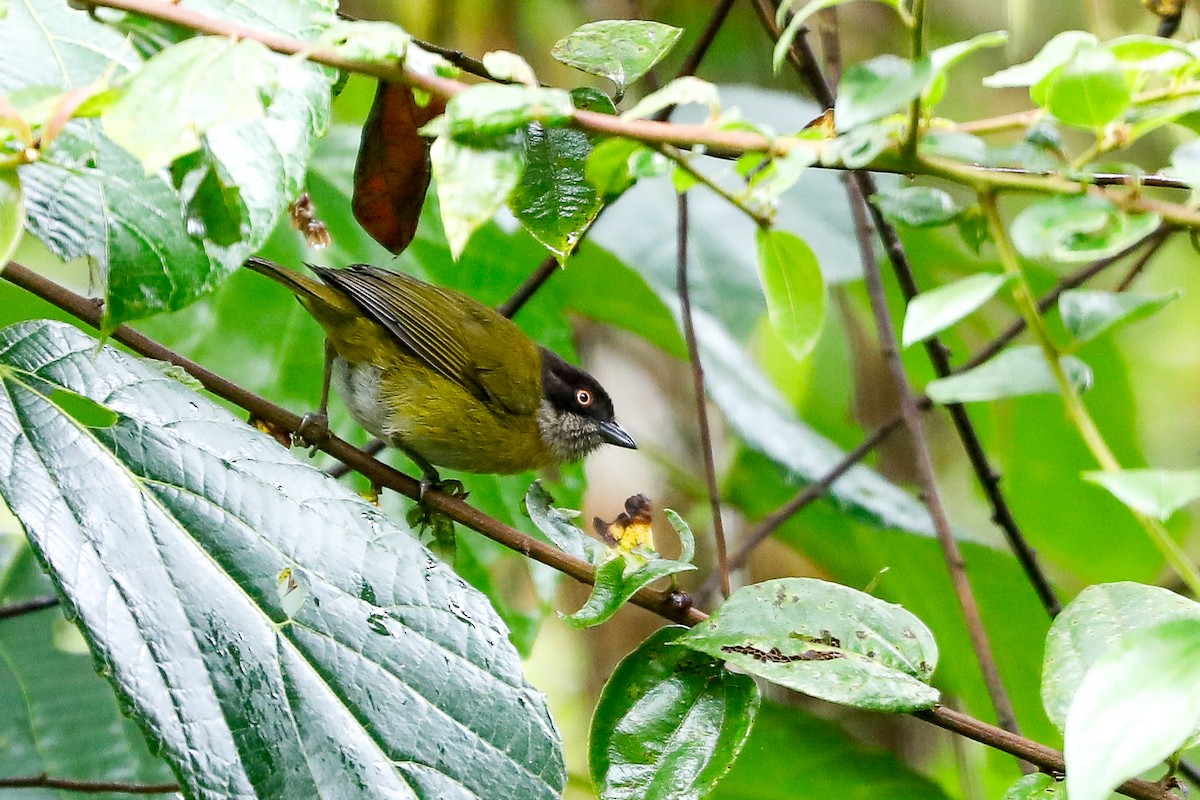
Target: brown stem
x,y
44,781
664,603
28,606
689,336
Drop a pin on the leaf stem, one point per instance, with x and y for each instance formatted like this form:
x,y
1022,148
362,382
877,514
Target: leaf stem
x,y
918,52
683,161
1076,411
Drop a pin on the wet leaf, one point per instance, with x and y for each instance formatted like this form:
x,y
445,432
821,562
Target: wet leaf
x,y
621,50
554,201
1017,371
89,197
679,92
392,172
669,723
392,677
486,114
187,89
826,640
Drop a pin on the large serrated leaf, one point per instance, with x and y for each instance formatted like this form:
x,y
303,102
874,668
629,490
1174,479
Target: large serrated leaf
x,y
88,197
826,640
554,201
274,634
669,722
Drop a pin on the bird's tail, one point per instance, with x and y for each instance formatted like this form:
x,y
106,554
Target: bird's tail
x,y
301,285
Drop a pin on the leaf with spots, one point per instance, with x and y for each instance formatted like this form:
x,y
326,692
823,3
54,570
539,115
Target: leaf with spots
x,y
825,640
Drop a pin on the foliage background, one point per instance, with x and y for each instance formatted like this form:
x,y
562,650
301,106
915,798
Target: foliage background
x,y
1145,399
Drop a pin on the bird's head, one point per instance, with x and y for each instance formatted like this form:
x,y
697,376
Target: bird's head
x,y
576,415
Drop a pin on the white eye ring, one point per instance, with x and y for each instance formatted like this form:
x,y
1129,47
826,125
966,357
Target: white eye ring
x,y
583,397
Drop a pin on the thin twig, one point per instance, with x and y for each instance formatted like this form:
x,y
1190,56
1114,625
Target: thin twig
x,y
44,781
28,606
917,52
689,336
666,604
913,420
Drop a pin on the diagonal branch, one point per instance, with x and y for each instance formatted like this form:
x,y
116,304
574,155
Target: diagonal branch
x,y
28,606
44,781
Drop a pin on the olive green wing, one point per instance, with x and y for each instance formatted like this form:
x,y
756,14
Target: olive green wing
x,y
455,336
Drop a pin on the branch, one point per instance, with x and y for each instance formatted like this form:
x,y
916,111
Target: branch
x,y
665,604
28,606
44,781
689,335
717,142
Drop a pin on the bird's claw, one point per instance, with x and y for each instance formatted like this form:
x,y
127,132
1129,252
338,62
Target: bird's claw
x,y
313,429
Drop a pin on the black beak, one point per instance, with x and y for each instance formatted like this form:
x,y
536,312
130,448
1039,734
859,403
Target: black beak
x,y
613,433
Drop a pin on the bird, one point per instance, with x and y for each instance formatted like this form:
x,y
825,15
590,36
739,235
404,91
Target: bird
x,y
445,379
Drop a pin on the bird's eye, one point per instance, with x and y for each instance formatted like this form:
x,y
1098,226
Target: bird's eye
x,y
583,397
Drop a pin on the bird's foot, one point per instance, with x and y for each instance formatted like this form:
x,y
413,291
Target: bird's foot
x,y
433,527
313,430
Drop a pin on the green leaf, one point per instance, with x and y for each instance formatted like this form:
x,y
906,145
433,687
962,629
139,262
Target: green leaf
x,y
873,89
472,184
1087,313
1088,91
1053,54
1137,705
619,579
621,50
946,57
825,640
1036,786
1073,229
12,215
554,200
821,758
789,33
916,206
392,677
932,312
679,92
488,112
558,527
1093,624
184,91
88,197
669,723
1156,492
794,288
1015,372
57,716
608,167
